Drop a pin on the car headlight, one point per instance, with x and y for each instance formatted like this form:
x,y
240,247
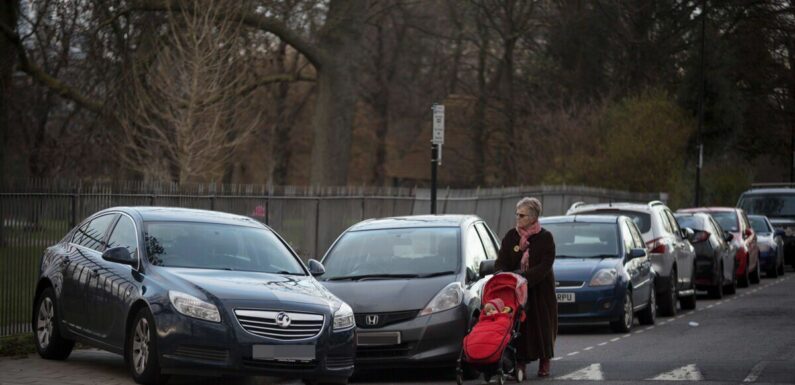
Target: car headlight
x,y
447,298
194,307
604,277
343,318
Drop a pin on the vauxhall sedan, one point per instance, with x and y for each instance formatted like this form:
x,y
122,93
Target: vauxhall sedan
x,y
602,270
413,283
190,291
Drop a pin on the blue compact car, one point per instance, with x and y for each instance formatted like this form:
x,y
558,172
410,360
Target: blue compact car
x,y
602,270
190,292
771,245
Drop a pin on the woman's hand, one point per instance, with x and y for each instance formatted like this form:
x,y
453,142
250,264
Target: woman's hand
x,y
525,264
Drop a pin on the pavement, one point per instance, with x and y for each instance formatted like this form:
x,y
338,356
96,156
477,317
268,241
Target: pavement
x,y
744,338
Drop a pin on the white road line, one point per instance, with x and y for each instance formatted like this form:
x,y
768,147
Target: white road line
x,y
556,358
588,373
718,303
710,306
573,353
650,327
626,335
615,339
603,344
685,373
680,316
755,372
588,348
691,313
638,331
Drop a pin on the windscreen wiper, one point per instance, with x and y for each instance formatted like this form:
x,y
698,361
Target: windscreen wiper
x,y
368,276
436,274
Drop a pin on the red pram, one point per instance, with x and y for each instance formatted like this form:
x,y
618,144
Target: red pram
x,y
487,346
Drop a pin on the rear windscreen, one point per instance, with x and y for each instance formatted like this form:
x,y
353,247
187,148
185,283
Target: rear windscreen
x,y
770,205
643,220
690,221
726,219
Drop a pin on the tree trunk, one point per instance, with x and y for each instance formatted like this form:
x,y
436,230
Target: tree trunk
x,y
336,93
8,17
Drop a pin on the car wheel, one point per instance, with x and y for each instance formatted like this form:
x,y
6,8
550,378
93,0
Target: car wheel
x,y
624,324
46,333
689,302
142,357
755,275
668,301
648,315
745,280
716,291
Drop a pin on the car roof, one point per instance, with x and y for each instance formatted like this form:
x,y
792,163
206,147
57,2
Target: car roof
x,y
706,209
769,190
590,218
177,214
447,220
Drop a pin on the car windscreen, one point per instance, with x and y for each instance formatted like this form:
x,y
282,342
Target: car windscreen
x,y
642,220
770,205
584,240
726,219
218,246
402,252
760,225
690,221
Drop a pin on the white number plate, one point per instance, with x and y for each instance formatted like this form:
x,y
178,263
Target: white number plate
x,y
565,297
284,352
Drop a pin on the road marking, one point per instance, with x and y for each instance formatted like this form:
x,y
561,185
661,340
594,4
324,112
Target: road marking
x,y
718,303
638,331
685,373
755,372
603,344
589,373
680,316
615,339
691,313
588,348
710,306
626,335
650,327
556,358
573,353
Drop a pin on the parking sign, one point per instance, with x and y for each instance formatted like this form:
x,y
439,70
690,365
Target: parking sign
x,y
438,124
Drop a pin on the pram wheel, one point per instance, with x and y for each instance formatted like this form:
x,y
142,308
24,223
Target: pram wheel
x,y
500,377
459,378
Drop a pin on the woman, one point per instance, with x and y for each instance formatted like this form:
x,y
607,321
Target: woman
x,y
530,248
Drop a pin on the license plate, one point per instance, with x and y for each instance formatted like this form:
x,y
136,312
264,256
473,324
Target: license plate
x,y
565,297
283,352
379,338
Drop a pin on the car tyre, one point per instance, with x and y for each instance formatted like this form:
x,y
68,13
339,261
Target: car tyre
x,y
745,280
46,333
648,315
731,287
668,302
716,291
624,324
689,302
755,276
141,354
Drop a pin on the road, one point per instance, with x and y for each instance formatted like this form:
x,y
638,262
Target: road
x,y
744,338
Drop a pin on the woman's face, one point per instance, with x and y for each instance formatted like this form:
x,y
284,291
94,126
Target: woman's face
x,y
524,217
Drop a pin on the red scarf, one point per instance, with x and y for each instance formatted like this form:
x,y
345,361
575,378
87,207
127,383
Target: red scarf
x,y
524,235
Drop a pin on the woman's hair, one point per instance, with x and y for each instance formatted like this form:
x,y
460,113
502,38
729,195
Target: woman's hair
x,y
532,204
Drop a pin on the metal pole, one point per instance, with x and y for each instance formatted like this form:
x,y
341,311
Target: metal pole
x,y
434,164
701,91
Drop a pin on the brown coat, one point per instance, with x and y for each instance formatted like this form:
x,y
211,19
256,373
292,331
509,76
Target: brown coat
x,y
541,327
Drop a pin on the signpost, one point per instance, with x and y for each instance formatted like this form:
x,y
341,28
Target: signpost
x,y
437,140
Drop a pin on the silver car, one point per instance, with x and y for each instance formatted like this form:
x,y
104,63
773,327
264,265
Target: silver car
x,y
672,255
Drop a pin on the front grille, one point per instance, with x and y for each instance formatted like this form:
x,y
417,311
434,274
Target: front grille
x,y
383,319
263,323
339,362
277,365
564,284
387,351
575,308
202,353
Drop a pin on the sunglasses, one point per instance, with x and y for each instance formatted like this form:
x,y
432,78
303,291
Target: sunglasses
x,y
520,215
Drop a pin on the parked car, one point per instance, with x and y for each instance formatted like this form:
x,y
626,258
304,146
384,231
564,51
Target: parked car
x,y
744,238
777,202
715,264
190,292
602,270
771,245
414,285
671,254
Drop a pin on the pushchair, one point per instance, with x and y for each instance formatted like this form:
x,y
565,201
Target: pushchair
x,y
489,345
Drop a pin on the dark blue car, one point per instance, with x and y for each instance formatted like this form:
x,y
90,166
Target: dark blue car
x,y
602,270
190,292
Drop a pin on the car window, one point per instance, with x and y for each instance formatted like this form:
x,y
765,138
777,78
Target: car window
x,y
218,247
674,224
691,221
626,237
727,220
636,237
665,222
124,235
713,228
488,241
759,224
745,223
420,250
771,205
92,233
643,220
473,249
584,240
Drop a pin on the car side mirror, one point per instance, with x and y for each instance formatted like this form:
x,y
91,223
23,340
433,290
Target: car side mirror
x,y
316,268
119,255
727,236
688,233
487,267
637,253
780,233
472,276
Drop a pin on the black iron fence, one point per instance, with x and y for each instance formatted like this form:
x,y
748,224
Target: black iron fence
x,y
37,214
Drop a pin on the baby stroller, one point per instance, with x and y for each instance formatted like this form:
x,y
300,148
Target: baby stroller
x,y
489,347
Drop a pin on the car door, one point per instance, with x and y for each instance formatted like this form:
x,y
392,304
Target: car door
x,y
631,265
750,240
80,275
474,253
644,263
489,243
685,254
116,283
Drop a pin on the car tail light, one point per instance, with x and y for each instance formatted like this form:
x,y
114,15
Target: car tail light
x,y
656,246
701,236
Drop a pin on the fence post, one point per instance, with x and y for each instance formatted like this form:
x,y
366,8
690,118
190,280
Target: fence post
x,y
212,202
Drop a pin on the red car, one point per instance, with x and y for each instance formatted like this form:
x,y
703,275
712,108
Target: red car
x,y
734,220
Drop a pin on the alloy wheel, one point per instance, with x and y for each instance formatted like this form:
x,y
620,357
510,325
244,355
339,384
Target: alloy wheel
x,y
628,312
141,345
44,323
